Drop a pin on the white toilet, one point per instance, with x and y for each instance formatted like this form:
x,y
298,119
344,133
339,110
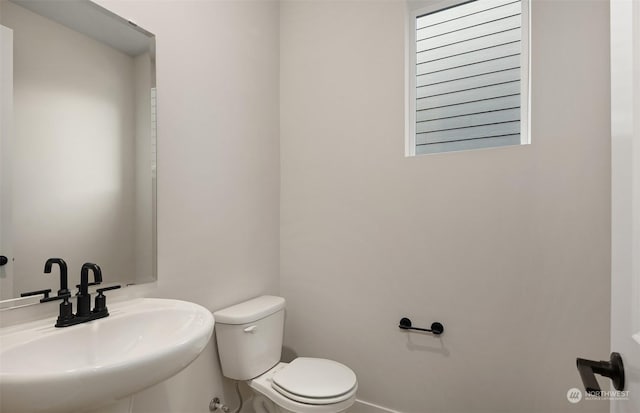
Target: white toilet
x,y
249,337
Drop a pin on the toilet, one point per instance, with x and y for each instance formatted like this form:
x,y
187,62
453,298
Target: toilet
x,y
249,337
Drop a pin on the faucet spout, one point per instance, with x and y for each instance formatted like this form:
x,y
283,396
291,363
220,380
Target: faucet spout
x,y
84,276
84,298
64,289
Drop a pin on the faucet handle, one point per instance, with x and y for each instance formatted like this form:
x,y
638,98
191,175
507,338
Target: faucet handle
x,y
113,287
101,300
66,309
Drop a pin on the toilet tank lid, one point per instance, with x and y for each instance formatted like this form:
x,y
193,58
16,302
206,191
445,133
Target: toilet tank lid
x,y
249,311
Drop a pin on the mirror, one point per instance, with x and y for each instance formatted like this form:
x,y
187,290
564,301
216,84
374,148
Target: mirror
x,y
78,163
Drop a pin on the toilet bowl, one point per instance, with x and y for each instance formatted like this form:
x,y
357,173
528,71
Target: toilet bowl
x,y
306,385
249,337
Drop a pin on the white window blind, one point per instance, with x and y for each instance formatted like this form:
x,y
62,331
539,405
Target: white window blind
x,y
470,72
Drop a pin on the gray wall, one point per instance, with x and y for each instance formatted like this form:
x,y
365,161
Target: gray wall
x,y
508,247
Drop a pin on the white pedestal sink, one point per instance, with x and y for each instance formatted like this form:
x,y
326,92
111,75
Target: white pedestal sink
x,y
79,368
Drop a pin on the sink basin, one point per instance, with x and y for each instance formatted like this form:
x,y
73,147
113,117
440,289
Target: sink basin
x,y
78,368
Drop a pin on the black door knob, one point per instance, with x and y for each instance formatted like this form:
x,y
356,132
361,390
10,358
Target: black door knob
x,y
613,369
3,260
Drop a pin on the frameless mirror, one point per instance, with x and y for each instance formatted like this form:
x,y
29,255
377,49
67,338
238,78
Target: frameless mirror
x,y
77,151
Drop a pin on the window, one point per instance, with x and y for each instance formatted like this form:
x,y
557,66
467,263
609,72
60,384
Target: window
x,y
468,76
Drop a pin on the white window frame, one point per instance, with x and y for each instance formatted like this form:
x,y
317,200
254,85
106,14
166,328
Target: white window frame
x,y
416,9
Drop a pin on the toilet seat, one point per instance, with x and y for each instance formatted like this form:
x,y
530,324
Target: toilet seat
x,y
263,385
312,401
315,381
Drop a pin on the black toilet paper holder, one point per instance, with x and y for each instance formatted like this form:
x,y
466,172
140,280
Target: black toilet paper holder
x,y
436,328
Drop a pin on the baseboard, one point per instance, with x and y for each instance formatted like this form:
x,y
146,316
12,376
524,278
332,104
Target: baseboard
x,y
361,406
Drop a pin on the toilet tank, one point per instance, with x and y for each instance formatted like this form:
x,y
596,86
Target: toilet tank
x,y
249,336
